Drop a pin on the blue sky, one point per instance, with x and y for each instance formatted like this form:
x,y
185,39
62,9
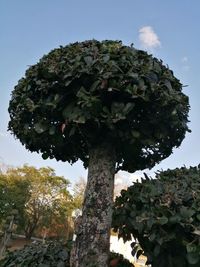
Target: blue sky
x,y
168,29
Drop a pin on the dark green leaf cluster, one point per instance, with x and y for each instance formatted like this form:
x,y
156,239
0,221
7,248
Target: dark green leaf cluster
x,y
164,215
118,260
52,254
87,92
41,255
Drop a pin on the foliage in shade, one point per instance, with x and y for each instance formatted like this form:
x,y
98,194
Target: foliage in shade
x,y
118,260
164,215
87,92
41,255
51,254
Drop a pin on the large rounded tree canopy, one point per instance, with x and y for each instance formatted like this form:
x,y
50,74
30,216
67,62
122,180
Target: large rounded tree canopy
x,y
85,93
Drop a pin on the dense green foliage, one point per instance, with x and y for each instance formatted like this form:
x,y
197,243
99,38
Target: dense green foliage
x,y
52,254
93,91
41,198
164,215
13,195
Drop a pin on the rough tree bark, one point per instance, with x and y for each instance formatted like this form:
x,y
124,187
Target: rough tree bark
x,y
92,243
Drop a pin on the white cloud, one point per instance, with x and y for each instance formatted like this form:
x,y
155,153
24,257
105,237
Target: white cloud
x,y
185,65
184,59
148,38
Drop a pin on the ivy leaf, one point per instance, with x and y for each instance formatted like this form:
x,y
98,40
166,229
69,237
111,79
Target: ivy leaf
x,y
80,119
95,85
52,130
45,156
106,58
191,248
186,213
163,220
193,258
88,60
175,219
72,131
135,134
40,127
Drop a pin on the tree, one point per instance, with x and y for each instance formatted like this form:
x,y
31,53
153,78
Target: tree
x,y
164,215
78,192
39,195
13,196
110,105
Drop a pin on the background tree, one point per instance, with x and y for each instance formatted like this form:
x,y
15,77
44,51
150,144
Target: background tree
x,y
164,215
78,192
14,194
39,195
10,224
110,105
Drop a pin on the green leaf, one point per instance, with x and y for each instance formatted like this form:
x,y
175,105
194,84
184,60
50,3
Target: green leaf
x,y
133,75
128,107
80,119
106,58
152,237
191,248
186,212
88,60
163,220
45,155
40,127
52,130
72,131
135,134
168,85
175,219
193,258
94,85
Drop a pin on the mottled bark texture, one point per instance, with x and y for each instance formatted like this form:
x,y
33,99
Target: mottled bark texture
x,y
91,248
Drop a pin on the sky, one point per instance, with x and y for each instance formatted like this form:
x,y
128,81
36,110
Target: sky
x,y
170,30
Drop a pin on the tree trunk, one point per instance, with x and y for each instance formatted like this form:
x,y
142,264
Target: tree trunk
x,y
30,230
92,244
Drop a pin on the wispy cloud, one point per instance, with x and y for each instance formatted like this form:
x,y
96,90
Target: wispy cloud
x,y
185,63
148,38
184,59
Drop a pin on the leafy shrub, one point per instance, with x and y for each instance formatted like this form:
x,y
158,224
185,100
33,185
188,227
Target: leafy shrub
x,y
164,215
52,254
